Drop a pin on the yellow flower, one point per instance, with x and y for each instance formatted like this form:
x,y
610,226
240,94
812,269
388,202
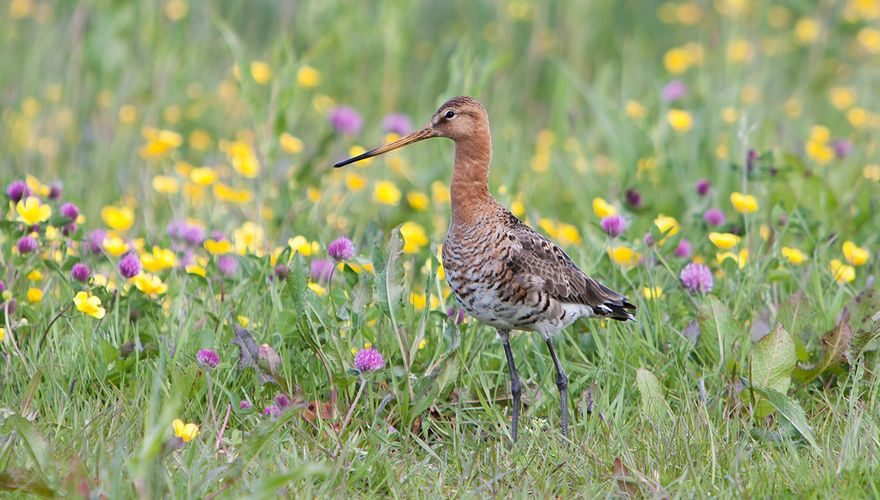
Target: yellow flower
x,y
150,284
793,255
159,142
261,72
217,247
290,144
414,237
652,293
417,200
118,218
517,208
842,97
422,344
186,432
418,300
740,51
744,203
677,60
869,39
225,193
35,275
159,260
176,9
128,114
568,234
680,120
855,254
203,176
196,269
439,192
200,140
243,320
2,334
303,246
114,245
89,304
724,241
624,256
165,184
820,151
318,289
31,212
740,259
667,226
857,117
635,110
249,238
354,182
308,77
871,172
807,30
34,295
548,226
243,157
387,193
602,208
842,273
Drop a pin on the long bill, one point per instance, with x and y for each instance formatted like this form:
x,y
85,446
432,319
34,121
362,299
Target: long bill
x,y
420,135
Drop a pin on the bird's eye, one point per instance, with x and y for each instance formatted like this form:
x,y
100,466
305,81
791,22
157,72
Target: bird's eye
x,y
450,115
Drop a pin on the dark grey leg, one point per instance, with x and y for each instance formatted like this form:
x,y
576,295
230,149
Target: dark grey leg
x,y
515,388
562,384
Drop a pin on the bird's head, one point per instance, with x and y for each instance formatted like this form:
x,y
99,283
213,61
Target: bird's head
x,y
457,119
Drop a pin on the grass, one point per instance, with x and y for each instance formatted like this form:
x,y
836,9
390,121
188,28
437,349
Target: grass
x,y
766,386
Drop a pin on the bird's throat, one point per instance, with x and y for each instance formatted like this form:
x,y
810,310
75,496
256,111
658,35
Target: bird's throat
x,y
469,191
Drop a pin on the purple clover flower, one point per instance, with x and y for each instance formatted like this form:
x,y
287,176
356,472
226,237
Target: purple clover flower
x,y
397,123
282,401
208,358
70,211
193,234
2,288
751,160
271,411
633,198
842,147
369,360
714,217
80,272
245,405
341,249
455,314
228,265
68,229
130,265
648,240
683,250
674,90
697,277
17,190
703,186
26,244
96,240
614,225
321,270
346,120
281,271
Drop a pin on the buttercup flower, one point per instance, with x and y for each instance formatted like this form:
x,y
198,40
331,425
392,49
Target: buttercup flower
x,y
369,360
843,273
32,212
793,255
602,208
150,284
624,256
724,241
208,358
87,303
34,295
744,203
186,432
697,277
118,218
341,249
855,254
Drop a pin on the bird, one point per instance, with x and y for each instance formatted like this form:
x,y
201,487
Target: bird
x,y
502,272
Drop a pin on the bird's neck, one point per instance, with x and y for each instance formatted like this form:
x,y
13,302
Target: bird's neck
x,y
469,191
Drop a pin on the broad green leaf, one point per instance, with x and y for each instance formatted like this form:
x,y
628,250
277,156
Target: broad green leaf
x,y
718,331
653,403
33,441
389,272
773,359
791,411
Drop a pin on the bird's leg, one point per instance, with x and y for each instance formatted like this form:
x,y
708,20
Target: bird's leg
x,y
562,384
515,388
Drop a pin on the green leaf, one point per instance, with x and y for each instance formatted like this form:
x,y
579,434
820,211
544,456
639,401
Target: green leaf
x,y
33,441
389,272
718,332
791,411
268,486
24,481
653,403
772,359
295,289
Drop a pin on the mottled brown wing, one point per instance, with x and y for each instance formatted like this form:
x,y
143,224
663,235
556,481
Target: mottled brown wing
x,y
540,262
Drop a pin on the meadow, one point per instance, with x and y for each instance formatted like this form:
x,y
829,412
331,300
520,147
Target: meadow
x,y
196,305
